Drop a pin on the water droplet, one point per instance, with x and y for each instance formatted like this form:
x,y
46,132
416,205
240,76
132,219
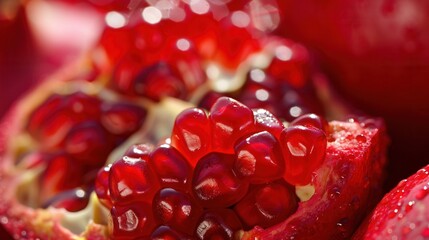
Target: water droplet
x,y
393,213
422,193
342,224
361,138
409,206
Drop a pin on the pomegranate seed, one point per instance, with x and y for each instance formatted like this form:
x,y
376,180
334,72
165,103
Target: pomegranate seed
x,y
191,134
234,43
259,158
113,39
60,174
230,120
59,114
42,113
208,100
125,72
133,221
101,187
177,210
214,184
132,179
266,121
304,150
159,80
166,233
291,63
266,205
85,106
87,143
218,224
141,151
311,120
172,169
122,119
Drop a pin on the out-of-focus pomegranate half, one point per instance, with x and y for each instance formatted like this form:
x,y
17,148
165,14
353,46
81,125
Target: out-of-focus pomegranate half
x,y
198,127
377,55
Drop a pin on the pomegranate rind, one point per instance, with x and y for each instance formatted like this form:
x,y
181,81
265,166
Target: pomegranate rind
x,y
346,186
403,213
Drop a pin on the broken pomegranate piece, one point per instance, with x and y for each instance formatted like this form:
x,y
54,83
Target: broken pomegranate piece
x,y
266,182
217,135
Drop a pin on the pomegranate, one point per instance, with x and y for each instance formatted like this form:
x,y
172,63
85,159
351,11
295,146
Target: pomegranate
x,y
377,54
188,135
402,213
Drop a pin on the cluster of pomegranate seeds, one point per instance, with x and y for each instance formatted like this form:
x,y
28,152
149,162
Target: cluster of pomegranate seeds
x,y
76,133
149,63
230,169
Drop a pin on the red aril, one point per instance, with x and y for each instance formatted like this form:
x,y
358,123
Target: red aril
x,y
132,179
176,209
218,224
214,182
259,158
228,120
266,205
131,221
304,150
190,137
171,167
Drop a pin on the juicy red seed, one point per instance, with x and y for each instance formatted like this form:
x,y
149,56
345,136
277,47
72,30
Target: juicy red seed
x,y
304,150
234,44
122,119
41,114
209,99
132,221
158,81
172,169
113,39
230,120
191,134
87,143
101,186
176,209
56,127
124,73
215,184
218,224
259,158
87,107
266,205
266,121
60,174
141,151
311,120
290,63
167,233
132,179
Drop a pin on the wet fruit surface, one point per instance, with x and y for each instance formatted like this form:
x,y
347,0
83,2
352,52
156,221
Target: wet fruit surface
x,y
119,148
402,213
